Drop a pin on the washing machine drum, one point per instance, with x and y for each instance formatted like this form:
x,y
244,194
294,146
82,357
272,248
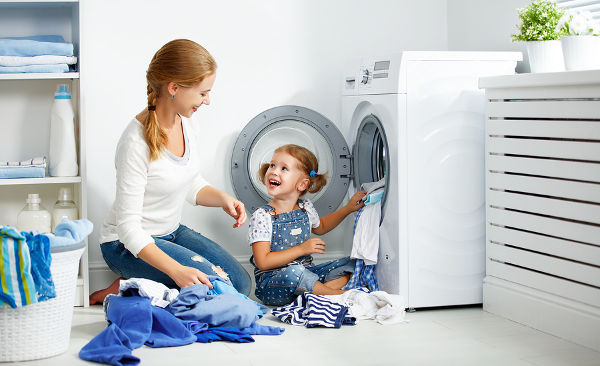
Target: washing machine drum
x,y
302,126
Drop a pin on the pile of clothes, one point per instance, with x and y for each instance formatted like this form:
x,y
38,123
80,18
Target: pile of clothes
x,y
25,259
36,54
148,313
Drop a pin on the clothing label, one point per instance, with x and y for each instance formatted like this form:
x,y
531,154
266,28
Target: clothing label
x,y
296,231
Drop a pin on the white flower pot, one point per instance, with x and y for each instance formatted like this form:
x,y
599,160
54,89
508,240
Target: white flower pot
x,y
581,52
545,56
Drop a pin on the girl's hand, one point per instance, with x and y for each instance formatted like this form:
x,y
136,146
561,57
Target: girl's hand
x,y
356,202
186,276
313,245
235,209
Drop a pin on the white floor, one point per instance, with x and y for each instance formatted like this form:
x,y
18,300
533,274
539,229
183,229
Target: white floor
x,y
456,336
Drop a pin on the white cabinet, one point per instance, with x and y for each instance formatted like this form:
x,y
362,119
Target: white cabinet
x,y
25,103
543,202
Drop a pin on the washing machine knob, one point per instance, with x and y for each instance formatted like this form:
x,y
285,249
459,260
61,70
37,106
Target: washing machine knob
x,y
365,78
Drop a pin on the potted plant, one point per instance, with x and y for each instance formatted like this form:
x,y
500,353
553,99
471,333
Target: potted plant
x,y
581,44
539,29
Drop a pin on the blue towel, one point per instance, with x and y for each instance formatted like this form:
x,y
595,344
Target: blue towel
x,y
226,310
41,38
70,232
22,172
17,287
41,259
28,47
54,68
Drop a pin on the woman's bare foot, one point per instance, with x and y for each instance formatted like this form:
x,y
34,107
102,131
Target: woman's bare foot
x,y
98,296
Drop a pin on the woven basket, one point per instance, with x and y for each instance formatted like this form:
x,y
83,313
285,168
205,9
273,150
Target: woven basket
x,y
43,329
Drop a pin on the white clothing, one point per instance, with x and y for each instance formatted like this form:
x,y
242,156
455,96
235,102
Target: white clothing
x,y
378,305
365,244
261,227
159,294
150,195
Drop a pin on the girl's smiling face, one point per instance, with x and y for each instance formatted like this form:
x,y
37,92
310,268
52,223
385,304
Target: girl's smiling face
x,y
284,177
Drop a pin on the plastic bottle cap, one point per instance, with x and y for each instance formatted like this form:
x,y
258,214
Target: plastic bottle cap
x,y
33,198
65,194
62,92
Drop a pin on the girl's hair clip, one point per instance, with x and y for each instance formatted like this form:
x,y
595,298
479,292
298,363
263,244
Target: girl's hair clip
x,y
312,173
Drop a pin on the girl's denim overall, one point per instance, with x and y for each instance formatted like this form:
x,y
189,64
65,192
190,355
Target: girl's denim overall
x,y
282,285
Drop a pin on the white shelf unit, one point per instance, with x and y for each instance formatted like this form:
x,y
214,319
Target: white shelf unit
x,y
25,103
543,202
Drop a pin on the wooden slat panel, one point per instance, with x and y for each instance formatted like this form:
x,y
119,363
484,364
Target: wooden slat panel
x,y
571,290
587,274
545,244
545,148
547,206
562,229
546,186
587,130
545,109
544,167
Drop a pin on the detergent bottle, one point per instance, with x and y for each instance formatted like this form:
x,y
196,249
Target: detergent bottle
x,y
64,208
63,154
33,217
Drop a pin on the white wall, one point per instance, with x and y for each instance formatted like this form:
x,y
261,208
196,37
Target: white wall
x,y
485,25
269,52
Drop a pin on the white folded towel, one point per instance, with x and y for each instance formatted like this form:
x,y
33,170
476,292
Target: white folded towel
x,y
35,162
37,60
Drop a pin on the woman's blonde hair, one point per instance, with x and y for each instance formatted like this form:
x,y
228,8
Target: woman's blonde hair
x,y
183,62
307,163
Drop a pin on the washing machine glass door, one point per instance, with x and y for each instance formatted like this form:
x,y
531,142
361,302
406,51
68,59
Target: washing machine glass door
x,y
371,161
290,125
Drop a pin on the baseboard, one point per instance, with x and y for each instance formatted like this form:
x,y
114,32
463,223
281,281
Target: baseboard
x,y
556,315
101,276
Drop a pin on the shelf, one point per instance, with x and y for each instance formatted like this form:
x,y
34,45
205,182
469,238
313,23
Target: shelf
x,y
39,76
46,180
38,1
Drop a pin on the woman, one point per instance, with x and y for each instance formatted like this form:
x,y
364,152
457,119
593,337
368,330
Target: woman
x,y
158,167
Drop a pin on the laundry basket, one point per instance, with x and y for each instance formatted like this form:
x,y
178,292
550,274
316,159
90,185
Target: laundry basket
x,y
43,329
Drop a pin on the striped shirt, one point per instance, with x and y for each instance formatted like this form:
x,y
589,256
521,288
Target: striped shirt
x,y
313,310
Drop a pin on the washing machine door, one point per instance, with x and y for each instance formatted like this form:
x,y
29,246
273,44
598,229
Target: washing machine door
x,y
290,125
371,155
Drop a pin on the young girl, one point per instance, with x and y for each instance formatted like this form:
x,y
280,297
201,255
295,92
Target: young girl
x,y
280,231
158,169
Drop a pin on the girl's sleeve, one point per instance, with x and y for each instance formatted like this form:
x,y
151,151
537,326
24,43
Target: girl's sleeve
x,y
260,227
131,162
313,215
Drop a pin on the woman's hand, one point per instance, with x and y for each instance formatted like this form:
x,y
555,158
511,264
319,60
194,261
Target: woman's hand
x,y
187,276
235,209
313,245
356,202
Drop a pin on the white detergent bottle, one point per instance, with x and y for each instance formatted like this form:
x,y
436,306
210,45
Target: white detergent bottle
x,y
63,154
33,217
64,208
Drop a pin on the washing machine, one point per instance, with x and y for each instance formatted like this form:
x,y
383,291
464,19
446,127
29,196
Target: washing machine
x,y
416,120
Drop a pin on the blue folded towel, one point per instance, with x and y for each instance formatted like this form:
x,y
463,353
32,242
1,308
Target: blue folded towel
x,y
29,47
70,232
23,172
41,38
53,68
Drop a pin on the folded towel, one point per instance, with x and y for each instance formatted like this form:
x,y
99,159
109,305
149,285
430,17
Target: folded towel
x,y
41,38
17,287
27,47
35,162
57,68
37,60
32,168
70,232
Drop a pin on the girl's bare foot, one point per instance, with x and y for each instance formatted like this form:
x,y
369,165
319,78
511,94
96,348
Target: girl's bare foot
x,y
98,296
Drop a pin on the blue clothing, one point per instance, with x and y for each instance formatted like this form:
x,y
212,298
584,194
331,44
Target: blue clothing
x,y
222,287
185,246
41,259
51,68
17,287
226,310
281,285
69,232
133,322
224,334
29,47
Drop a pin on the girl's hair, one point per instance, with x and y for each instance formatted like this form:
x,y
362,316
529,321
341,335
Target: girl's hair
x,y
183,62
307,162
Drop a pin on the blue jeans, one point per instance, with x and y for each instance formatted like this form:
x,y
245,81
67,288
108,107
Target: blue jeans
x,y
281,286
187,247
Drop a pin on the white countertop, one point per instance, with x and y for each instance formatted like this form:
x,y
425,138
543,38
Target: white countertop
x,y
541,79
